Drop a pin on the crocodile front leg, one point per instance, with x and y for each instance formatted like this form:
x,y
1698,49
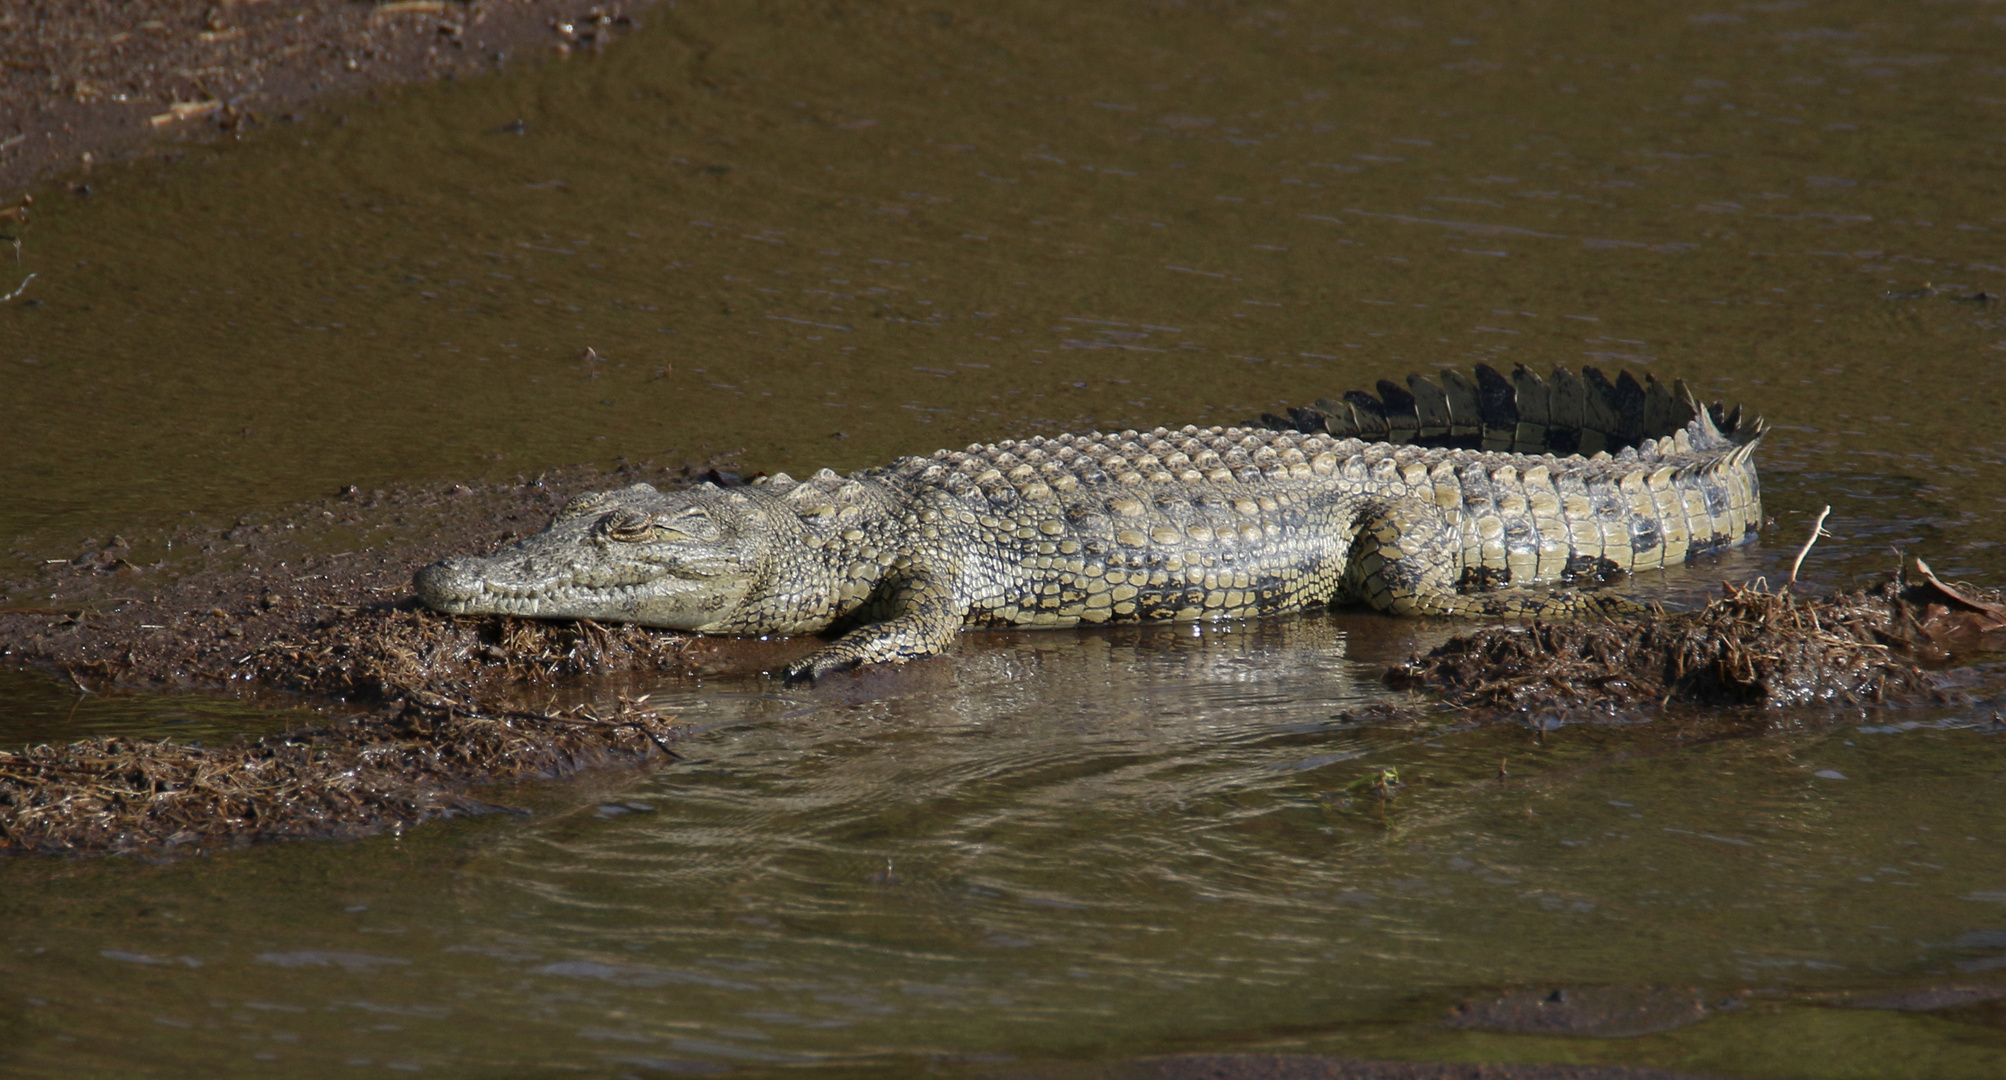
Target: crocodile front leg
x,y
925,615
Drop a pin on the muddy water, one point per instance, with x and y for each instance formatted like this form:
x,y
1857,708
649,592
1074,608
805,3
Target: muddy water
x,y
1069,847
825,235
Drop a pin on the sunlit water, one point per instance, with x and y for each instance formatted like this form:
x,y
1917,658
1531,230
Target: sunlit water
x,y
829,235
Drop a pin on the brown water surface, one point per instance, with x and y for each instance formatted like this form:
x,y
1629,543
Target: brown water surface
x,y
830,234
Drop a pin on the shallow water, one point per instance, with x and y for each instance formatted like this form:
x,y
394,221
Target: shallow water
x,y
38,712
964,224
1065,847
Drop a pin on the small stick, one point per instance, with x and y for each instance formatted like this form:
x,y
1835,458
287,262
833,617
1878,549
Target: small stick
x,y
1817,530
23,288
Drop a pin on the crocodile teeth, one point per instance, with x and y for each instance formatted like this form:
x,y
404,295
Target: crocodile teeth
x,y
463,585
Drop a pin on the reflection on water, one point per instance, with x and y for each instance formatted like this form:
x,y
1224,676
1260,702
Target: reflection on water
x,y
37,711
979,223
1059,845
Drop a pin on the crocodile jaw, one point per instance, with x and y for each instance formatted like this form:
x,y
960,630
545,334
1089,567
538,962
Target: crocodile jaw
x,y
475,586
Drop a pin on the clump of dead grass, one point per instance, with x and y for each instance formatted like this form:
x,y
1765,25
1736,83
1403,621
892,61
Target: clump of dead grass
x,y
433,735
410,764
404,651
1752,646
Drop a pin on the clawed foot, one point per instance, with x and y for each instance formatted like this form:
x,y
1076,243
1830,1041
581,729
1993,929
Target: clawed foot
x,y
815,666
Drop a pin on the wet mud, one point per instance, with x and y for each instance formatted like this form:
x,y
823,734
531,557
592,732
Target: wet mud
x,y
317,600
83,83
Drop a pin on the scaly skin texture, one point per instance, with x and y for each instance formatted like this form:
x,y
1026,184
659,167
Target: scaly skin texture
x,y
1168,524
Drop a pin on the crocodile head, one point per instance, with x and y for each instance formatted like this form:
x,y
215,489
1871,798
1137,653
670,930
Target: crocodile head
x,y
682,559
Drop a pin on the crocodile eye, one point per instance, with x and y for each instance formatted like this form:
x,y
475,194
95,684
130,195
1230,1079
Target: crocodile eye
x,y
627,526
585,504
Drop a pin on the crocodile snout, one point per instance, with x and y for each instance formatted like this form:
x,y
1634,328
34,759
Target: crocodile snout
x,y
448,585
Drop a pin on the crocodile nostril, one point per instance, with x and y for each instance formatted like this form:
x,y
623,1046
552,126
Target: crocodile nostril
x,y
445,582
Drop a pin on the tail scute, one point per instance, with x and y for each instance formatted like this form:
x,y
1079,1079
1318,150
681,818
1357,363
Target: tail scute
x,y
1566,413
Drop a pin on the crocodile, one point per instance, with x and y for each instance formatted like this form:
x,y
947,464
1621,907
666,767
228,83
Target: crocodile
x,y
1458,495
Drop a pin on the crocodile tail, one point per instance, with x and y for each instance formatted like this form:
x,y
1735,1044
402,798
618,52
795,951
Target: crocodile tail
x,y
1567,413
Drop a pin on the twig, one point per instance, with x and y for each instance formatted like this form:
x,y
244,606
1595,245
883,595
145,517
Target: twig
x,y
18,291
1817,530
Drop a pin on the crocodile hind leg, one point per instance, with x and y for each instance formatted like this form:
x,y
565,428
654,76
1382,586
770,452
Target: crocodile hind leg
x,y
926,615
1406,559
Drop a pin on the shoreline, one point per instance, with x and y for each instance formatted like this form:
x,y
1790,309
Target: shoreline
x,y
88,82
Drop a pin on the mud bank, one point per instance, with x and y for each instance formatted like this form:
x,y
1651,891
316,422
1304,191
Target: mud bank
x,y
423,705
87,81
317,600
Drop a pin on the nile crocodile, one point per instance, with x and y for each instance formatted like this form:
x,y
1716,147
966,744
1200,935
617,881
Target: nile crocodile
x,y
1435,498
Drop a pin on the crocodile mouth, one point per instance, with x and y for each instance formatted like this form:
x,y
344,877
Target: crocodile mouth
x,y
460,587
